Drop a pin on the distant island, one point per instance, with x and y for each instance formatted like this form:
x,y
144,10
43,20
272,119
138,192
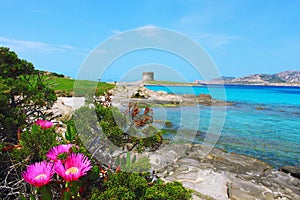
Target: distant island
x,y
286,78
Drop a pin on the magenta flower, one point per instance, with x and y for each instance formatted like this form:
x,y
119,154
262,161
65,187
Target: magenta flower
x,y
54,153
39,173
44,123
75,166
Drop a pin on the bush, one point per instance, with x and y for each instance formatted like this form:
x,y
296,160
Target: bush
x,y
35,143
134,186
121,129
167,191
23,94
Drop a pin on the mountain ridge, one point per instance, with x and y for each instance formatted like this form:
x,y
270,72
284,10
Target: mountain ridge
x,y
290,77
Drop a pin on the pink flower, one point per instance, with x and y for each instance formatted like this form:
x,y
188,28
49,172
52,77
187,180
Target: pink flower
x,y
39,173
54,153
44,123
75,166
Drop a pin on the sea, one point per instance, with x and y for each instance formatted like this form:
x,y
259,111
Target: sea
x,y
263,121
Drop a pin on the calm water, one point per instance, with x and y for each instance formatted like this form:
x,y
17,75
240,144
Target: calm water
x,y
263,122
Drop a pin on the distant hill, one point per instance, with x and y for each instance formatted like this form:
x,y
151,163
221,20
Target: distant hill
x,y
282,78
224,78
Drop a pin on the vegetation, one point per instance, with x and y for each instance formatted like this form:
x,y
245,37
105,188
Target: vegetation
x,y
130,130
24,94
30,144
134,186
129,127
64,86
44,164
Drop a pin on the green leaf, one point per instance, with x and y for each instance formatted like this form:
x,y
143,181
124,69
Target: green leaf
x,y
94,173
22,197
128,160
45,192
74,187
32,197
118,161
67,196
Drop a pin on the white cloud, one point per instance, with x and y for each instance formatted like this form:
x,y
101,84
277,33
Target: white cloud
x,y
27,45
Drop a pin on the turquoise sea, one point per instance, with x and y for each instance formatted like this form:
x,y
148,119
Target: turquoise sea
x,y
264,121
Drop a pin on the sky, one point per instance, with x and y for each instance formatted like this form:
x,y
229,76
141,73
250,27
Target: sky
x,y
241,37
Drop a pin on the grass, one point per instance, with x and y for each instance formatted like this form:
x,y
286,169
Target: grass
x,y
65,86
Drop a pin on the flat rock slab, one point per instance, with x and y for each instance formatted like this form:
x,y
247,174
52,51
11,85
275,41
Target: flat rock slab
x,y
221,175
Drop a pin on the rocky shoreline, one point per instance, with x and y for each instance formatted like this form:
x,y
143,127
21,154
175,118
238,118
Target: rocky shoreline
x,y
139,93
221,175
218,175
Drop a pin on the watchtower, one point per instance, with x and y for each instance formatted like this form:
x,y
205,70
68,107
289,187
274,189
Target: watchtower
x,y
148,76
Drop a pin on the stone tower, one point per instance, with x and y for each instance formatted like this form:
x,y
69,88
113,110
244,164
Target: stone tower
x,y
148,76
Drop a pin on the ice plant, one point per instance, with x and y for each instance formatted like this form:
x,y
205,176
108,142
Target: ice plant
x,y
57,151
44,123
39,173
74,167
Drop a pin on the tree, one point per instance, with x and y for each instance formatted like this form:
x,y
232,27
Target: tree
x,y
24,94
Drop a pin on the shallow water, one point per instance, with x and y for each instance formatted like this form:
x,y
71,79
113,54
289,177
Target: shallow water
x,y
263,122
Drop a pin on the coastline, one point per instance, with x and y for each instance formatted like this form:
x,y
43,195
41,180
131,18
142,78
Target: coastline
x,y
139,93
224,84
218,174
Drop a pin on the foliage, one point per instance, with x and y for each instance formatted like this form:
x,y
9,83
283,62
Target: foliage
x,y
127,186
98,183
130,163
167,191
24,94
34,144
129,127
121,186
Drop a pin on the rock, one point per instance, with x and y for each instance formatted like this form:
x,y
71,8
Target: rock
x,y
167,155
260,108
204,99
222,175
138,93
60,111
293,170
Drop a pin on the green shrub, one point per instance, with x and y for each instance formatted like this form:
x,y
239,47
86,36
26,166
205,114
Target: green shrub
x,y
134,186
130,163
23,93
120,130
35,143
167,191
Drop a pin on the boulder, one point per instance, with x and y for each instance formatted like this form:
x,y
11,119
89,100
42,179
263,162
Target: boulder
x,y
61,112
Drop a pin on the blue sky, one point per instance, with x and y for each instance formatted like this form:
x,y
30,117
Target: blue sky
x,y
241,36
